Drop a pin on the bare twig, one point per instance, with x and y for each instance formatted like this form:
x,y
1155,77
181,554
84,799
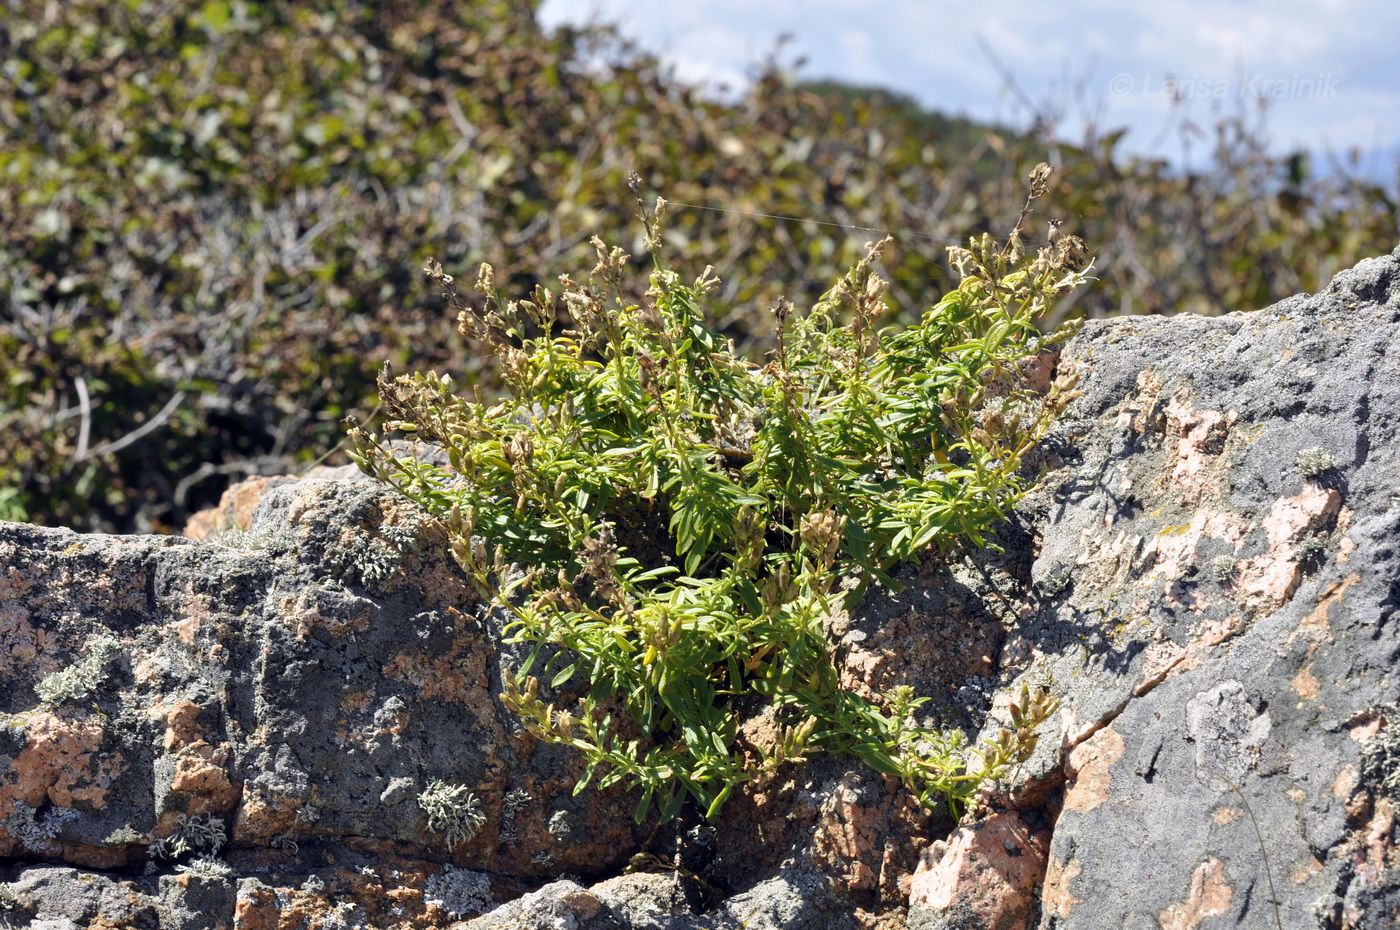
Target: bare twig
x,y
85,427
151,425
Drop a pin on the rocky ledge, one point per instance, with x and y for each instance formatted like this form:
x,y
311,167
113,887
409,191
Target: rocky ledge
x,y
292,721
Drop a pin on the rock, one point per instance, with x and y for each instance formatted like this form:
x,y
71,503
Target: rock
x,y
298,686
233,515
986,874
1221,630
561,905
237,731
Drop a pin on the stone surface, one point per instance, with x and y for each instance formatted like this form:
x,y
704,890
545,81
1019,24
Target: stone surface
x,y
989,871
1220,626
1216,621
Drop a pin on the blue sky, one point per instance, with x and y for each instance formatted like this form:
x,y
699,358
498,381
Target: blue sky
x,y
1331,68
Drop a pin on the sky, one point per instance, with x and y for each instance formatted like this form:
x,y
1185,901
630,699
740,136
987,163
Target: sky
x,y
1329,69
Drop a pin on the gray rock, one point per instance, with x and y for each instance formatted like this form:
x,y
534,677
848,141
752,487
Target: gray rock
x,y
1215,723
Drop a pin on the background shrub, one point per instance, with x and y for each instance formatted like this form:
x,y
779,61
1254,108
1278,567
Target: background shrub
x,y
214,211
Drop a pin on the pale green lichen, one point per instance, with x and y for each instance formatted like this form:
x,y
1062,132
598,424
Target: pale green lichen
x,y
453,810
34,830
515,801
245,540
1222,569
372,560
206,866
77,683
1380,759
1315,461
191,835
124,836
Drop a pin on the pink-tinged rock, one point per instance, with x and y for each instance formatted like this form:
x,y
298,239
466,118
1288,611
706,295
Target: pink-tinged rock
x,y
992,869
1209,896
1268,580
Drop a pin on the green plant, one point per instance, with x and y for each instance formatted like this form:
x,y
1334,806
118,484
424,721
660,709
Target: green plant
x,y
12,506
684,521
212,211
1222,569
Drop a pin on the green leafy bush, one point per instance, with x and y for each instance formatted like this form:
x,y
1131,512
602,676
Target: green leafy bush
x,y
674,523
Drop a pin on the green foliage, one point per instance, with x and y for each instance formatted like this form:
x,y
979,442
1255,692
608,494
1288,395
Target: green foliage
x,y
11,507
212,210
673,524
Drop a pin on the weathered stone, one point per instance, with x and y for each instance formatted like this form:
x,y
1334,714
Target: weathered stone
x,y
987,874
1219,624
